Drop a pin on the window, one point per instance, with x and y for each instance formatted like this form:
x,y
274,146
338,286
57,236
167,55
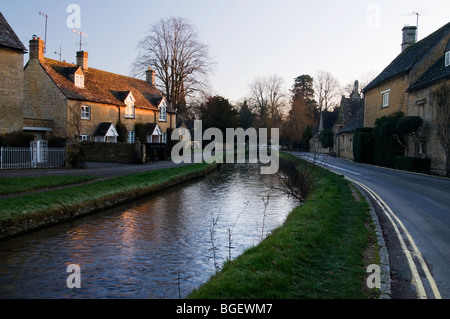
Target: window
x,y
447,58
85,138
164,138
163,112
131,137
79,80
385,98
86,112
129,110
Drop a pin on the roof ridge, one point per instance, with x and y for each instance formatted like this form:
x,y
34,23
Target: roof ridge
x,y
405,60
8,38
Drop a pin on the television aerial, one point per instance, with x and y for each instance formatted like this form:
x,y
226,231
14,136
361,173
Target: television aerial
x,y
81,34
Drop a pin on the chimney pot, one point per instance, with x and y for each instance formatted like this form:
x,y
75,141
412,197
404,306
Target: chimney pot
x,y
409,36
36,48
150,76
82,59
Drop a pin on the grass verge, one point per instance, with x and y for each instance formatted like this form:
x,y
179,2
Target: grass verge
x,y
33,211
319,252
28,184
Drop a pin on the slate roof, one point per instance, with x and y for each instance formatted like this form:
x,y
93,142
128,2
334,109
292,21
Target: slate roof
x,y
8,37
102,129
355,122
103,87
351,114
435,74
410,56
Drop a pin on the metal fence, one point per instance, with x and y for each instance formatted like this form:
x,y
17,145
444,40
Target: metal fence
x,y
24,157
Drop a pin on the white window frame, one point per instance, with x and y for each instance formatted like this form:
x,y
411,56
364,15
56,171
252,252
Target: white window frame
x,y
85,112
163,112
131,137
79,80
447,59
129,111
385,96
85,138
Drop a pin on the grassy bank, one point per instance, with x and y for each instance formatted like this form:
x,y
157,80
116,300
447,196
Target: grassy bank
x,y
28,184
32,211
321,251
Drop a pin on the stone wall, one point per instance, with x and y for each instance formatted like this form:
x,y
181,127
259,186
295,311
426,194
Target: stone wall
x,y
44,104
11,90
398,100
421,104
111,152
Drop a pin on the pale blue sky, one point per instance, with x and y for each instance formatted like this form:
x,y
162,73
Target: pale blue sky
x,y
247,38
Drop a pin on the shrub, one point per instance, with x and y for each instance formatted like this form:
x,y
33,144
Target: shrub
x,y
414,164
16,139
363,144
409,125
387,145
123,133
141,132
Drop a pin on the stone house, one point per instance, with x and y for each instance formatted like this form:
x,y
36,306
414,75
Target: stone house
x,y
406,85
76,101
11,79
351,116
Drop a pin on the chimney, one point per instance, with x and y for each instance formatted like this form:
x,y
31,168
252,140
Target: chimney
x,y
82,59
409,36
36,48
150,76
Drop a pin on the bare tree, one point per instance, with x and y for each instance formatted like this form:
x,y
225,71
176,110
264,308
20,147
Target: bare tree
x,y
327,90
441,103
269,99
182,63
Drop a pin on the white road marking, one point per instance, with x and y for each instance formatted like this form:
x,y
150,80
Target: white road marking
x,y
390,215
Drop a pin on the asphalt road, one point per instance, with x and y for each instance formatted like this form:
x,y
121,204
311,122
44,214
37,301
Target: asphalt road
x,y
420,207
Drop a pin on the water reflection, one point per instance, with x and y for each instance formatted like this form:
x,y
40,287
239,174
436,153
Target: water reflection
x,y
157,247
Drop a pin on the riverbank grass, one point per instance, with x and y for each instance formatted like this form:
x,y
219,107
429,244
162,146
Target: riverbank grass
x,y
90,197
17,185
319,252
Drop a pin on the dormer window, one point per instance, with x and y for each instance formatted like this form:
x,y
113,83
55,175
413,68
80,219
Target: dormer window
x,y
79,80
163,111
447,59
129,108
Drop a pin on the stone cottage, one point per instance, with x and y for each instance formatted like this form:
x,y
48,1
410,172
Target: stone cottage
x,y
406,85
11,79
76,101
351,116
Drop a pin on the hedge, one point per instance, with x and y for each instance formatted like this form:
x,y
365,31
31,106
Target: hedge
x,y
414,164
363,145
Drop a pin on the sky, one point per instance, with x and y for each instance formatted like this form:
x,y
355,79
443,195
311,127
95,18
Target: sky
x,y
246,38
